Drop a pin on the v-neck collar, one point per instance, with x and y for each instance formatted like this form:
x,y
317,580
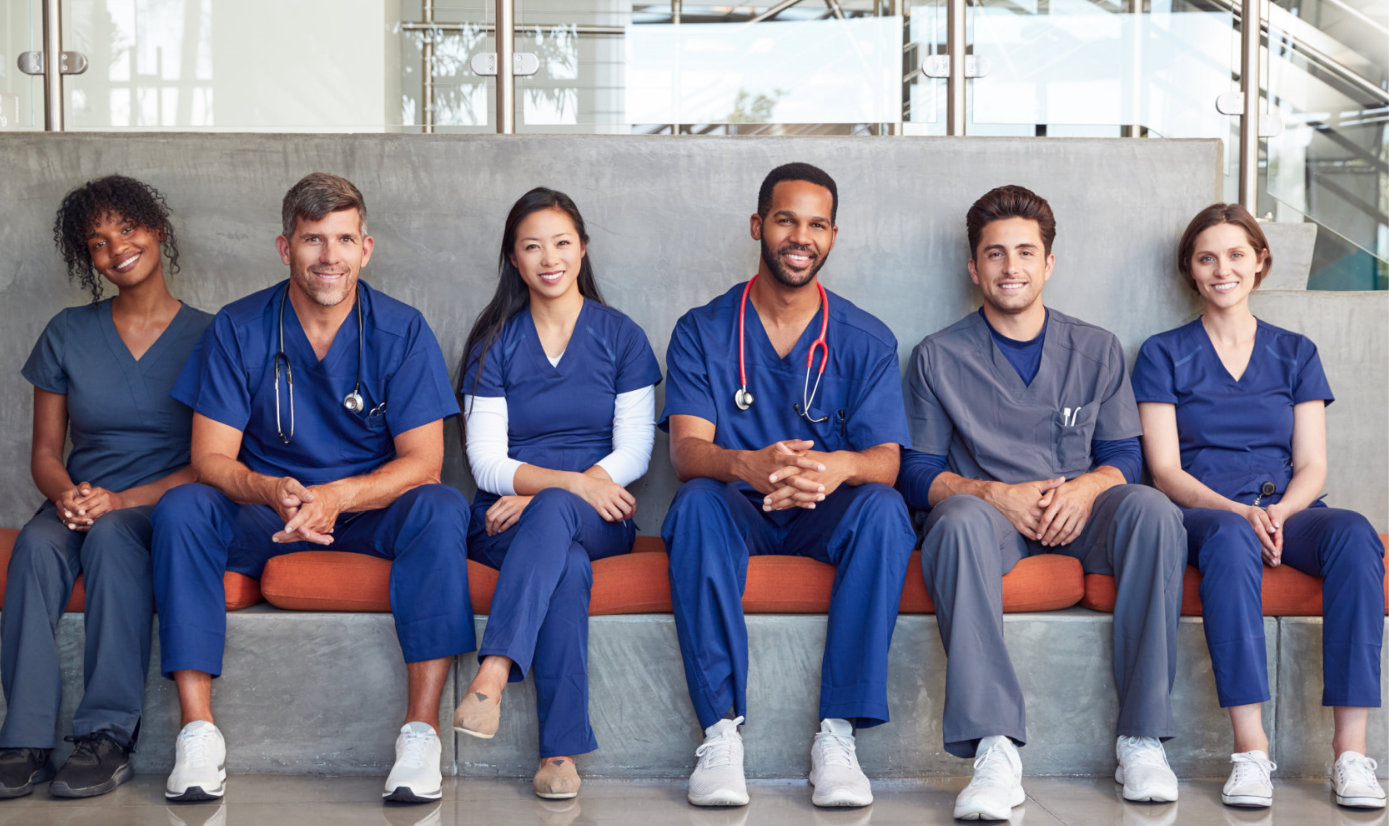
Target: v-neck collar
x,y
807,335
122,350
540,357
1209,347
295,335
1004,368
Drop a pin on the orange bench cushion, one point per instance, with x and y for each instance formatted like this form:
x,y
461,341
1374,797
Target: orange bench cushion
x,y
242,591
1286,592
637,583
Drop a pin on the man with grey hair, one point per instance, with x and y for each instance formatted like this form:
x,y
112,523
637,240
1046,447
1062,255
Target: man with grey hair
x,y
347,460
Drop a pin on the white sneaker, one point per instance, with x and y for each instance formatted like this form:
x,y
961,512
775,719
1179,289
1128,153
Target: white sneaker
x,y
1354,781
834,768
997,783
415,777
1143,770
200,764
1249,783
717,779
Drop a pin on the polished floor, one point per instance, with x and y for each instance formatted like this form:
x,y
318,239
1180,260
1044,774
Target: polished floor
x,y
266,800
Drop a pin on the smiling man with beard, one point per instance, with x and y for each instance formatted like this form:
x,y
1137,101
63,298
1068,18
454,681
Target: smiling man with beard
x,y
346,458
784,408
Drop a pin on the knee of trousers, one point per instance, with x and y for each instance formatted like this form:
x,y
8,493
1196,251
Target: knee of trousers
x,y
122,535
556,504
188,507
36,556
699,502
1352,544
954,524
441,507
1229,550
1153,516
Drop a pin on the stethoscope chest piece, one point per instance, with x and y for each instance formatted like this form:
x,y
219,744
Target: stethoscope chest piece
x,y
742,398
353,402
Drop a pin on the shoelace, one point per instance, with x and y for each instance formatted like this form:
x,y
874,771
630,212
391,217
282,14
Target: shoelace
x,y
85,746
993,768
415,745
1145,750
835,749
718,751
195,747
1359,770
1250,764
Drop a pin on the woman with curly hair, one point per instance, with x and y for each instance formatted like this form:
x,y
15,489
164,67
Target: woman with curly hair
x,y
101,374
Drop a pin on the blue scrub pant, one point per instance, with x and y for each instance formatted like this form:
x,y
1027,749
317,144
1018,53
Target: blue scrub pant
x,y
539,613
114,559
199,534
1335,544
1134,534
710,531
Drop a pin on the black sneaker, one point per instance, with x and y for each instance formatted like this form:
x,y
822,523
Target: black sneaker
x,y
20,769
98,764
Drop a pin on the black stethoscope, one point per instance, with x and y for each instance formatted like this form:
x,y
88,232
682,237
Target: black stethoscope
x,y
743,399
352,401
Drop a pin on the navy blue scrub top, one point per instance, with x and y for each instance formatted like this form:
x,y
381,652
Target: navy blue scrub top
x,y
561,416
860,392
1234,435
124,427
230,379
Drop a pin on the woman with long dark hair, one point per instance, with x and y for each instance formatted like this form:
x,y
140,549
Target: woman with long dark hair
x,y
101,374
1234,431
558,394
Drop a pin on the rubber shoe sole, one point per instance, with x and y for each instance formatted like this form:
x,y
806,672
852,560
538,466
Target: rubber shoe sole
x,y
1247,801
58,788
42,775
1142,795
193,793
1360,802
840,798
405,794
720,797
1019,798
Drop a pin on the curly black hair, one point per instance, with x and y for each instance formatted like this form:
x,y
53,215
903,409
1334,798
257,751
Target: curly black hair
x,y
135,201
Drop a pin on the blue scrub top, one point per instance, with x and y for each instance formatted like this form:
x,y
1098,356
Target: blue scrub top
x,y
1234,435
969,404
230,378
860,392
561,416
124,428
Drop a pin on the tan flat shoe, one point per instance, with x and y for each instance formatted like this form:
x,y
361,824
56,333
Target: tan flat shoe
x,y
557,779
478,715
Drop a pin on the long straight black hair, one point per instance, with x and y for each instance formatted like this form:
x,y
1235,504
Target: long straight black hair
x,y
512,295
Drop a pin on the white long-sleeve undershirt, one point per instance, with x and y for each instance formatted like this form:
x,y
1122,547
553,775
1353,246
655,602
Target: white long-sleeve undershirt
x,y
634,434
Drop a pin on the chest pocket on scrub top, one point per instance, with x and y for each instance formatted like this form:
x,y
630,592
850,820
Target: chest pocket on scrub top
x,y
1071,433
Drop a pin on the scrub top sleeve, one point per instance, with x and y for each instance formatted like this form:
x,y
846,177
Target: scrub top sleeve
x,y
1118,414
688,392
419,392
1154,374
490,380
44,368
637,366
880,417
930,427
1310,382
213,381
915,475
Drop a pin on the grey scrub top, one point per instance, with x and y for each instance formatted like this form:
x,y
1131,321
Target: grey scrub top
x,y
967,403
125,428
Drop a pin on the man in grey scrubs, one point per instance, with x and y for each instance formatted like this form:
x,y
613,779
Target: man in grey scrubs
x,y
1024,430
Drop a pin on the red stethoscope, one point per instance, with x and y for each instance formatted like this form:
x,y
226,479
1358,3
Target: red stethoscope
x,y
743,399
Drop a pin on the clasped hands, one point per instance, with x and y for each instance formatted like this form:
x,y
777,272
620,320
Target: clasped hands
x,y
80,506
1050,511
791,475
309,512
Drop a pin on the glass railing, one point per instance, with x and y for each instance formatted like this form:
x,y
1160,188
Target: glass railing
x,y
21,99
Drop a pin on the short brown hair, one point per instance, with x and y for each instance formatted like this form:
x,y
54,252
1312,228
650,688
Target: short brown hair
x,y
1010,201
1214,215
316,195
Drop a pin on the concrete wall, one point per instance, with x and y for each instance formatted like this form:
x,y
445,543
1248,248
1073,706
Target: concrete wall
x,y
668,219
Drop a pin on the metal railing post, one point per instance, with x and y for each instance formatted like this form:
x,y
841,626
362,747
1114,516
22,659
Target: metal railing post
x,y
506,70
53,66
1251,14
955,84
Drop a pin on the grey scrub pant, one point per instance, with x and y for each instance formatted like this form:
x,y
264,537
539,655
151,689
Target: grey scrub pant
x,y
114,558
1134,533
